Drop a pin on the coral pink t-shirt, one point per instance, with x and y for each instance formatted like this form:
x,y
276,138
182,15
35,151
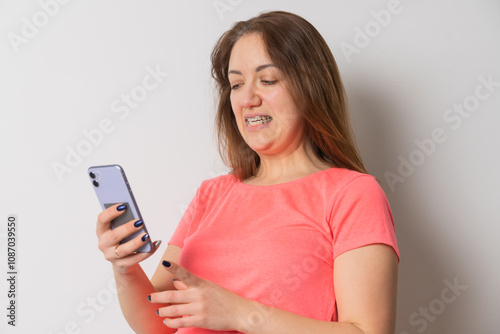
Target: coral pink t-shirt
x,y
276,244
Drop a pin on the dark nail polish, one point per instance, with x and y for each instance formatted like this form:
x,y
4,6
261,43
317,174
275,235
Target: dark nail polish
x,y
157,312
145,237
166,264
176,279
121,207
138,223
149,297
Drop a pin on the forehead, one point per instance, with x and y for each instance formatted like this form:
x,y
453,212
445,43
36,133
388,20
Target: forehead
x,y
248,51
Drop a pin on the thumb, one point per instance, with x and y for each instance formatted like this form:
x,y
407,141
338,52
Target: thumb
x,y
187,277
179,285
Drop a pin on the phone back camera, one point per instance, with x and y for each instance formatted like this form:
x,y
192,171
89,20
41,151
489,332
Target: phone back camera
x,y
95,183
92,175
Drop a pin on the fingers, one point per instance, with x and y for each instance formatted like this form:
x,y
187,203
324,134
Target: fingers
x,y
174,311
115,253
175,299
111,238
128,248
118,234
122,256
185,279
106,216
188,278
201,304
125,263
171,297
179,285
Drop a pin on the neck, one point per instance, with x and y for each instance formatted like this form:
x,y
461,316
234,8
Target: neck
x,y
292,166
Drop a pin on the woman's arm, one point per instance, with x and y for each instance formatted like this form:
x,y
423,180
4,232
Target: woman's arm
x,y
132,284
133,289
365,281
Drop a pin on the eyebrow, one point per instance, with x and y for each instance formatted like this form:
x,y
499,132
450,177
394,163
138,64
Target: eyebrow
x,y
257,69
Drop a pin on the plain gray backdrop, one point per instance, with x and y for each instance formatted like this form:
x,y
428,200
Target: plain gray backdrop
x,y
87,83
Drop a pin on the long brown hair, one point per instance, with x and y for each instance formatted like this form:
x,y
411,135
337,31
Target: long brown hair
x,y
312,77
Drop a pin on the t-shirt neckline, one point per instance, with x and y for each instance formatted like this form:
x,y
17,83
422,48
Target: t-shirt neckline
x,y
238,181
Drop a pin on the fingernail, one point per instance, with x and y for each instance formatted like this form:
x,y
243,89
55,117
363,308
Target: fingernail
x,y
121,207
145,237
138,223
176,279
157,312
157,243
149,297
166,264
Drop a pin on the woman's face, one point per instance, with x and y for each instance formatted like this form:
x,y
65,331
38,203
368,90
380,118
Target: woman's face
x,y
265,112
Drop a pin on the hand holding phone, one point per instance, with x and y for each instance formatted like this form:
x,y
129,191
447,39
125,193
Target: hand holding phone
x,y
111,187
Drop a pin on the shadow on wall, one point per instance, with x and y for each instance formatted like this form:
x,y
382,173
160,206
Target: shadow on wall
x,y
424,288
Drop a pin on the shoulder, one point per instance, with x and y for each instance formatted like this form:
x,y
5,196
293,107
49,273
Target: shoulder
x,y
353,181
342,186
215,186
342,180
218,181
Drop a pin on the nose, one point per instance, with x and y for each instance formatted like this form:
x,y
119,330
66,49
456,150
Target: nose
x,y
250,97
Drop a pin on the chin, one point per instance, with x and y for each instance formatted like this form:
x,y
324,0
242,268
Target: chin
x,y
259,148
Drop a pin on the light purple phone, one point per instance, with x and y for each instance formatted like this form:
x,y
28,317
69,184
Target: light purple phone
x,y
111,187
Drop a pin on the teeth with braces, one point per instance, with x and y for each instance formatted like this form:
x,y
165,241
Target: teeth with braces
x,y
258,120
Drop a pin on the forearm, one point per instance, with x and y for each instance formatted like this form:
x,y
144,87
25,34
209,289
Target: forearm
x,y
133,289
257,318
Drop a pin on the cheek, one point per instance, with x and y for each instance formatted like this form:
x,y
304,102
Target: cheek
x,y
274,96
289,115
234,106
281,101
237,116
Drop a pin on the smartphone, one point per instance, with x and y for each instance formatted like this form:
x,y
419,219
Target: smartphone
x,y
111,187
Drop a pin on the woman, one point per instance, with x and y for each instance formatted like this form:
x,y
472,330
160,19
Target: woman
x,y
256,250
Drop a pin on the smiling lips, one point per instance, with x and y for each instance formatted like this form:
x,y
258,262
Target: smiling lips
x,y
258,120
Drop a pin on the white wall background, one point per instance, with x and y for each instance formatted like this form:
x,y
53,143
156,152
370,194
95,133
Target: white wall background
x,y
63,74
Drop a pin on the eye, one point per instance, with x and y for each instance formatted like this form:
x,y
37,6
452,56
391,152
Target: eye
x,y
269,82
235,86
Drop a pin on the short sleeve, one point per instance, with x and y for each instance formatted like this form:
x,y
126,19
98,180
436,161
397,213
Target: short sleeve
x,y
182,230
362,216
